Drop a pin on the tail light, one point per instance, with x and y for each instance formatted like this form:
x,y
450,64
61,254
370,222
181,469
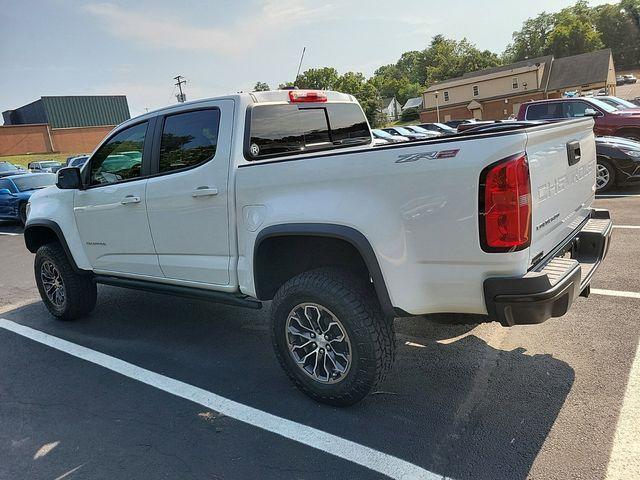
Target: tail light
x,y
302,96
505,205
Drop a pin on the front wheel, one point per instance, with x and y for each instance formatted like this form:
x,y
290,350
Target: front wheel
x,y
67,295
605,176
330,335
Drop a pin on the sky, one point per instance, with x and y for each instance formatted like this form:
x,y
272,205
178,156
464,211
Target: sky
x,y
135,48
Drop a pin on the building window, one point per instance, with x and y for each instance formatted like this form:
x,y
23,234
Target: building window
x,y
514,82
445,94
476,91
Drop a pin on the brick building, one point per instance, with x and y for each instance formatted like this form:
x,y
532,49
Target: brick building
x,y
67,124
497,93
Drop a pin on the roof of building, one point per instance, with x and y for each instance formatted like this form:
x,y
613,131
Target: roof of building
x,y
413,103
577,70
71,111
504,68
387,101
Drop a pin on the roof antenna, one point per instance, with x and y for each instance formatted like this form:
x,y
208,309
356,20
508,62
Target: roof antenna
x,y
304,49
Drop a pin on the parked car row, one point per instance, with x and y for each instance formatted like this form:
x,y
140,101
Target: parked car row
x,y
620,121
625,79
15,191
618,159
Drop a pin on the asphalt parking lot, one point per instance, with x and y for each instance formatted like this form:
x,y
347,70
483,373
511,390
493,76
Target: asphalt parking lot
x,y
559,400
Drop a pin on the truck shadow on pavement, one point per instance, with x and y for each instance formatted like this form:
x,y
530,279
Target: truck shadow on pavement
x,y
453,404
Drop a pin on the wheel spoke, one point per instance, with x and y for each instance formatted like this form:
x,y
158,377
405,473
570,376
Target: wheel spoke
x,y
301,346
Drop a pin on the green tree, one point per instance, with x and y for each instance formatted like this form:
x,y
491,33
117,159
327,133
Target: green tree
x,y
261,87
324,78
574,32
619,31
531,40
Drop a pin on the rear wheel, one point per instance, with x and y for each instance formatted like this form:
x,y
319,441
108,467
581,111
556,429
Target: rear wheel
x,y
605,176
67,295
330,335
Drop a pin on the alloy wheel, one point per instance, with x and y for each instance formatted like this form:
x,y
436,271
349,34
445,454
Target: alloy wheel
x,y
602,176
53,284
318,343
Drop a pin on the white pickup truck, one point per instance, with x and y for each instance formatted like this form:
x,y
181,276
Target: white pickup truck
x,y
281,196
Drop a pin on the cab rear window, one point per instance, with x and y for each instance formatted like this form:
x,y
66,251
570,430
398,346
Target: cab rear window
x,y
276,130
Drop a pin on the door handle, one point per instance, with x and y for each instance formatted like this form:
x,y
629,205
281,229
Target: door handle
x,y
204,192
130,199
573,152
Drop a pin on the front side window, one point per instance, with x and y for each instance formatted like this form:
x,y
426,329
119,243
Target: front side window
x,y
8,185
577,109
189,139
120,158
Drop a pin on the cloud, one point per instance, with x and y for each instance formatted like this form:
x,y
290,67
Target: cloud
x,y
169,32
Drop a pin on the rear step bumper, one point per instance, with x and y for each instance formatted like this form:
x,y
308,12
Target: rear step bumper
x,y
549,290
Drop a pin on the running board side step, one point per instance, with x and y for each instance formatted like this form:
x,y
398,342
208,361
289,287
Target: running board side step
x,y
186,292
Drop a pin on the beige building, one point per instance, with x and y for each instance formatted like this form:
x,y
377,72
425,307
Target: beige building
x,y
497,93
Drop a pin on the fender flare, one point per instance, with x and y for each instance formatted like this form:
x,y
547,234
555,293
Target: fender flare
x,y
340,232
32,245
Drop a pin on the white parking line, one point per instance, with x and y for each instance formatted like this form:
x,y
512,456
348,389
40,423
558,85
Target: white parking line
x,y
615,293
613,195
627,226
624,462
326,442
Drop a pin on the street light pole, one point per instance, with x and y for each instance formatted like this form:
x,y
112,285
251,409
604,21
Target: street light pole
x,y
437,105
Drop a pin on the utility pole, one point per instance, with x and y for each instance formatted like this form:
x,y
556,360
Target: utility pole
x,y
437,105
179,81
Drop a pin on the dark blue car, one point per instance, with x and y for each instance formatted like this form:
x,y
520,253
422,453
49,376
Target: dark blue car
x,y
15,191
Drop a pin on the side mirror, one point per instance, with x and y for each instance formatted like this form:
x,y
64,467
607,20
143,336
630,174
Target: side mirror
x,y
5,191
69,178
590,112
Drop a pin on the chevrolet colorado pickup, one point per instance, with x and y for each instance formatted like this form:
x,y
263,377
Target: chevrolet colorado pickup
x,y
280,196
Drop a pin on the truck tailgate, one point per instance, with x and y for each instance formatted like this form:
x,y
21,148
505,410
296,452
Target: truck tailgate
x,y
562,163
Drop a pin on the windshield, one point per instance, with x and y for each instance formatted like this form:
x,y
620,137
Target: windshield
x,y
419,129
619,103
446,128
33,182
382,133
604,106
7,167
404,131
78,162
50,164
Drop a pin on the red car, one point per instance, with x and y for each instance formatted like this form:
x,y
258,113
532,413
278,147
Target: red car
x,y
608,120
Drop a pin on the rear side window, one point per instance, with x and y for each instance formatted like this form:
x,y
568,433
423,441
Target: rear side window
x,y
189,139
292,129
545,111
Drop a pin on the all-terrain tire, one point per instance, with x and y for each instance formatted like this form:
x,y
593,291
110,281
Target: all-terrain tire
x,y
353,302
80,290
